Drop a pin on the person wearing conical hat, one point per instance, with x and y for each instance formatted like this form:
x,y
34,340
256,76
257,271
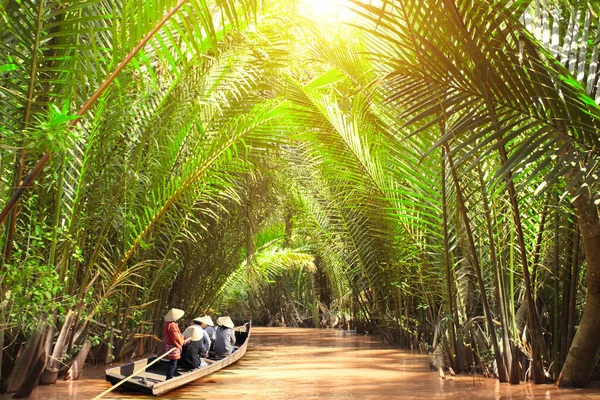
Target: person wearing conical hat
x,y
173,339
225,336
208,339
207,324
191,352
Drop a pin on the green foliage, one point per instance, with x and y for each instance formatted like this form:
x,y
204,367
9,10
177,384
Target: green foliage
x,y
32,288
53,133
258,166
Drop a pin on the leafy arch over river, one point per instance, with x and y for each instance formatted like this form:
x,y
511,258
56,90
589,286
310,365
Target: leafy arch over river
x,y
427,172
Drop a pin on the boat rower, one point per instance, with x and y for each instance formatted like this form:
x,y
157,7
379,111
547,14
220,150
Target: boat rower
x,y
173,339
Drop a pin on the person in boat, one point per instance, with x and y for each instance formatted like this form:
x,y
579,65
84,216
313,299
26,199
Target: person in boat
x,y
209,333
198,325
225,339
191,353
208,325
173,339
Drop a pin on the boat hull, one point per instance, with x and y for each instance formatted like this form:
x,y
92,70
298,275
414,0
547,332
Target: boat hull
x,y
153,380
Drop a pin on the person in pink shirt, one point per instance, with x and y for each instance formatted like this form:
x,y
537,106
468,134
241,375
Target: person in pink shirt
x,y
173,339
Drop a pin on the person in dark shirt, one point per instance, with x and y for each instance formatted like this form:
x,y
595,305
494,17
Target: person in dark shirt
x,y
191,354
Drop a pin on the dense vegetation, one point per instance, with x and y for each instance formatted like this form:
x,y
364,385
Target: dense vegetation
x,y
427,172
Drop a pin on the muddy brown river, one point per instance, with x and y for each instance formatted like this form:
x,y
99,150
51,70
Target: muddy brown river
x,y
285,363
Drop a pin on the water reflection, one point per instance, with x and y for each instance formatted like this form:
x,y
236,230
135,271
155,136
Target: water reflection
x,y
293,363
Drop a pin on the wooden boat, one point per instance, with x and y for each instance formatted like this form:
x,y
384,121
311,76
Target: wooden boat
x,y
153,379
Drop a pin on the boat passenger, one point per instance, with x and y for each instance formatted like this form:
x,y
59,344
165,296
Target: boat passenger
x,y
173,339
209,338
191,352
208,326
225,336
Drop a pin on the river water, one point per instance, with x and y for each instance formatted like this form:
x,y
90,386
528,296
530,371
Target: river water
x,y
285,363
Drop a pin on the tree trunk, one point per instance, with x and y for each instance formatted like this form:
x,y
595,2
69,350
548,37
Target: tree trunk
x,y
33,375
502,372
498,289
538,245
12,217
567,277
61,343
77,366
579,365
573,291
449,280
538,345
24,361
556,294
515,368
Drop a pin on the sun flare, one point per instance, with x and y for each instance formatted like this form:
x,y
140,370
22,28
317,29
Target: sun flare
x,y
330,10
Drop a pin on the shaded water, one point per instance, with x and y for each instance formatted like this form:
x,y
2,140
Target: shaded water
x,y
284,363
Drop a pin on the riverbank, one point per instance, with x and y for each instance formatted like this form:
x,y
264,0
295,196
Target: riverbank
x,y
285,363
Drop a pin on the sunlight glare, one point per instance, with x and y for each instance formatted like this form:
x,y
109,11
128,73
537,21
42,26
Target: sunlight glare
x,y
330,10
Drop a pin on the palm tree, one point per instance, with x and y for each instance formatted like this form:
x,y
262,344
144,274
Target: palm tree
x,y
496,88
182,149
126,176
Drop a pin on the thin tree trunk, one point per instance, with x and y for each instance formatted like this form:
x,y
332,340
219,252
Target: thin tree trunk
x,y
12,218
538,348
499,291
538,245
567,278
250,250
515,368
502,373
289,225
511,286
556,294
57,211
580,361
449,280
573,291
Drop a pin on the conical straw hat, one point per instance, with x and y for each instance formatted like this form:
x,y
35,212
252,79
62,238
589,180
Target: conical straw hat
x,y
174,314
205,320
194,333
226,322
